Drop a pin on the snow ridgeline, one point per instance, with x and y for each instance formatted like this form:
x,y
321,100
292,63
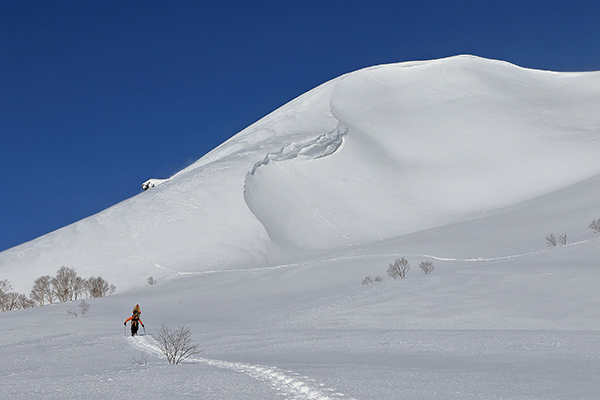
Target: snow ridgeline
x,y
291,387
417,146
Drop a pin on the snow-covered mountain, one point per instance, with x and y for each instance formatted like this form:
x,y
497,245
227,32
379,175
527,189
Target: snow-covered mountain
x,y
261,247
369,156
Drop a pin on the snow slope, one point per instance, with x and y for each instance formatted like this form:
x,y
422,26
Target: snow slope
x,y
371,155
432,143
261,246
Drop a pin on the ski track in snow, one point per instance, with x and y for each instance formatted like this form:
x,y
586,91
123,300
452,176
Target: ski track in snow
x,y
366,256
291,387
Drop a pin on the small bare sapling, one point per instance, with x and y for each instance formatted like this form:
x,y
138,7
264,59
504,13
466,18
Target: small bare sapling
x,y
426,266
142,360
176,344
562,239
551,240
84,307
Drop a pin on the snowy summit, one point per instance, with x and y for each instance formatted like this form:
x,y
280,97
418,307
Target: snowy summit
x,y
369,156
261,246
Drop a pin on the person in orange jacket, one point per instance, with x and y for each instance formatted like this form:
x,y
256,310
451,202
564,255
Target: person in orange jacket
x,y
135,320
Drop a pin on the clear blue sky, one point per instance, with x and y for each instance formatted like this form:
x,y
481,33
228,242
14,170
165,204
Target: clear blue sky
x,y
98,96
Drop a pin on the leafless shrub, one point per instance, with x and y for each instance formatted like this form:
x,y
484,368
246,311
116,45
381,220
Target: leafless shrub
x,y
142,360
399,268
177,344
426,266
551,240
378,279
84,307
367,281
151,281
562,239
595,225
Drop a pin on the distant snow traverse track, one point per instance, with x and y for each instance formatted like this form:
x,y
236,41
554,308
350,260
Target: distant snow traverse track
x,y
291,387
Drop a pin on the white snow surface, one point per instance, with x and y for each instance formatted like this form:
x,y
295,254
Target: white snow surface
x,y
261,246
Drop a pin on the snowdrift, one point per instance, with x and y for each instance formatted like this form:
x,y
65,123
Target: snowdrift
x,y
372,155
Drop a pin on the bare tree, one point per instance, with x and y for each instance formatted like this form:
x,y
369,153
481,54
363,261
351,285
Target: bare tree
x,y
152,281
426,266
177,344
399,268
5,288
42,291
64,284
551,240
367,281
595,225
23,302
10,301
562,239
99,287
378,279
79,287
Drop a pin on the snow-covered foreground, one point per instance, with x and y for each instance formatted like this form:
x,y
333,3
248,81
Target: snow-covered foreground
x,y
483,324
522,327
261,247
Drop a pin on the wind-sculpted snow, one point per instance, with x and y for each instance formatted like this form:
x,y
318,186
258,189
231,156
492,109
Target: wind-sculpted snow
x,y
431,143
417,145
322,146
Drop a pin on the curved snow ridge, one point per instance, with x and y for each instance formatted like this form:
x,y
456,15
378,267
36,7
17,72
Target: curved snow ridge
x,y
321,146
291,387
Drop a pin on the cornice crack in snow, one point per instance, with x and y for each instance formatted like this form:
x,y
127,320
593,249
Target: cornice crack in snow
x,y
322,146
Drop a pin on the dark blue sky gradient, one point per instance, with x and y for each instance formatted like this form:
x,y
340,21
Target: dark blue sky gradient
x,y
98,96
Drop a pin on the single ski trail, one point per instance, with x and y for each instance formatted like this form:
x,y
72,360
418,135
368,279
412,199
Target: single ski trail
x,y
291,387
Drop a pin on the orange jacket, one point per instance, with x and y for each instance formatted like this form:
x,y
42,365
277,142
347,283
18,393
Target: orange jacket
x,y
132,317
